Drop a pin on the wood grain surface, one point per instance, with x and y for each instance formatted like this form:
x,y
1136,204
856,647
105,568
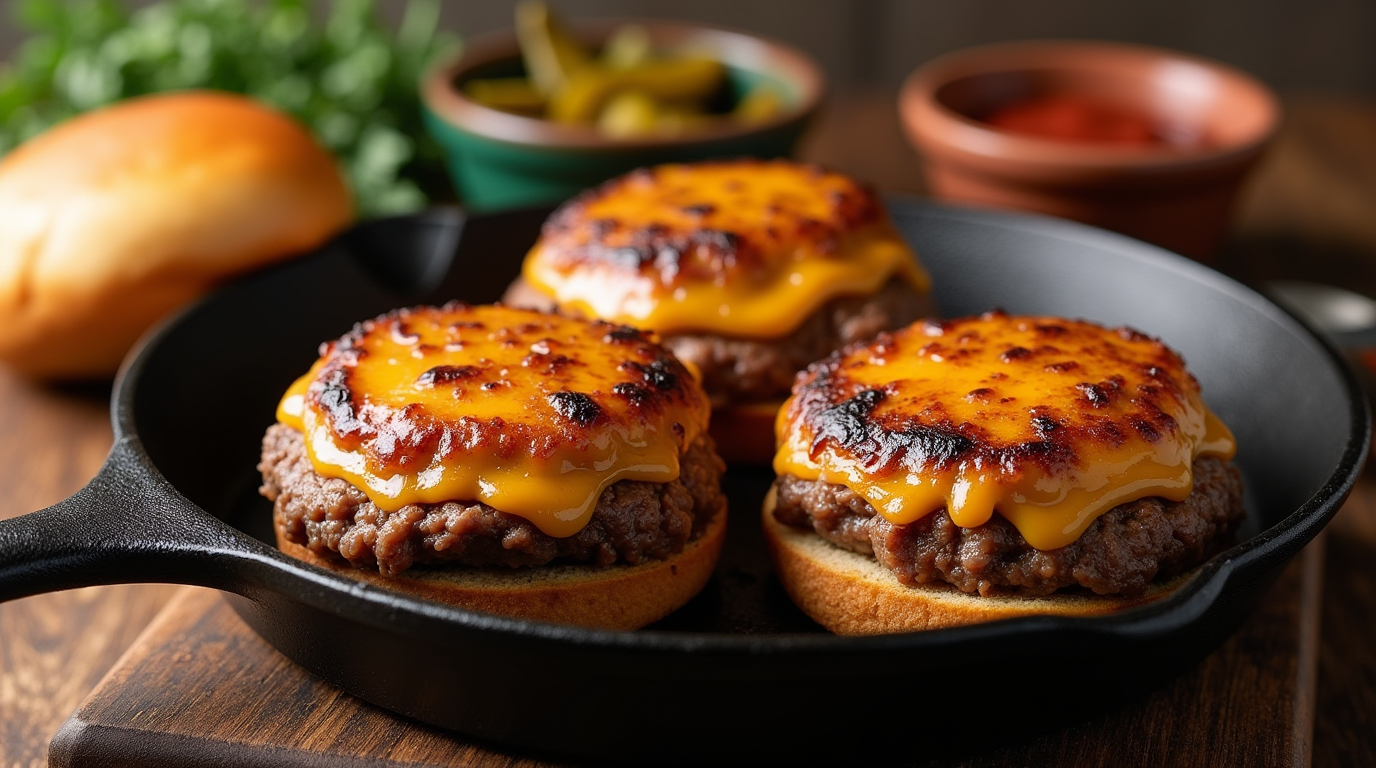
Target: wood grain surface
x,y
1248,704
1308,214
54,648
1345,706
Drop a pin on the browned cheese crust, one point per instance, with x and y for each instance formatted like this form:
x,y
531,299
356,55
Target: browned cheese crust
x,y
634,522
1121,553
701,241
893,430
646,382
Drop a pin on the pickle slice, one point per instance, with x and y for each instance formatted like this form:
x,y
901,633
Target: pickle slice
x,y
550,52
665,79
509,94
628,88
629,46
629,113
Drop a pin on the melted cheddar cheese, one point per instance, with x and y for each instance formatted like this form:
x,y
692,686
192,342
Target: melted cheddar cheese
x,y
744,248
533,414
1048,422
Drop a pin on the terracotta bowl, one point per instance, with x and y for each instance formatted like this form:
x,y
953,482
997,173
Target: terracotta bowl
x,y
1178,192
500,160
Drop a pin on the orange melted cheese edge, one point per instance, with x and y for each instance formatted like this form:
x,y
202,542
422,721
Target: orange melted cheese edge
x,y
557,493
797,279
1049,510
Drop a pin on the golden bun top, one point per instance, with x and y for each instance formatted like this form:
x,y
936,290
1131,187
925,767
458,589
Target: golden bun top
x,y
116,217
738,247
1047,420
534,414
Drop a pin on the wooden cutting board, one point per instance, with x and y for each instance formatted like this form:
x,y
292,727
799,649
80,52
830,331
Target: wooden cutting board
x,y
200,688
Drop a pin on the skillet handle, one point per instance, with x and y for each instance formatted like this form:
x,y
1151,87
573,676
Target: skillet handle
x,y
127,525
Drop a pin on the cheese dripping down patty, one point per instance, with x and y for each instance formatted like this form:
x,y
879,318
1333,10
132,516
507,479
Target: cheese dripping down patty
x,y
743,248
533,414
1050,422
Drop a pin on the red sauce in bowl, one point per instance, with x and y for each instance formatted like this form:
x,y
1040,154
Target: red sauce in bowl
x,y
1067,117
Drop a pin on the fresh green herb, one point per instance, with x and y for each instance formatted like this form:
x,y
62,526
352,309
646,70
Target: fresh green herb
x,y
349,77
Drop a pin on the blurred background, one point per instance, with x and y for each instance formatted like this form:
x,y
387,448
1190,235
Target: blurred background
x,y
1319,45
1327,45
1320,56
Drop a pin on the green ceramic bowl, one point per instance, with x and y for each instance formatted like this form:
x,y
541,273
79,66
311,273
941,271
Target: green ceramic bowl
x,y
499,160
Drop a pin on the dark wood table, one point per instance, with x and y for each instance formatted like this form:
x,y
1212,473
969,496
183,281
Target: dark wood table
x,y
1296,684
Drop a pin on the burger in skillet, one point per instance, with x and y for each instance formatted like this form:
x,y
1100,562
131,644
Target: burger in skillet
x,y
747,270
985,467
505,460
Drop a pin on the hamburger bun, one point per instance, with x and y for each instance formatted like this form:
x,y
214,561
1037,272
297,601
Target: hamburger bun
x,y
852,594
624,597
117,217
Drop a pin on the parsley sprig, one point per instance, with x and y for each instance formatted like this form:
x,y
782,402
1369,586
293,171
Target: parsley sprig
x,y
348,76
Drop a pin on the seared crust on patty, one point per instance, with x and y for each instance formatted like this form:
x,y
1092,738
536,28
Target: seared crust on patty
x,y
744,370
1120,553
634,522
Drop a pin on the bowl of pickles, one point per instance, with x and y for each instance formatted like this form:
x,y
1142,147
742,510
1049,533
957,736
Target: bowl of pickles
x,y
533,115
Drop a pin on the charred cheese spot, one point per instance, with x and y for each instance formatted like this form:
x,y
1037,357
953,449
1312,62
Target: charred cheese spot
x,y
446,374
533,414
745,248
576,407
969,415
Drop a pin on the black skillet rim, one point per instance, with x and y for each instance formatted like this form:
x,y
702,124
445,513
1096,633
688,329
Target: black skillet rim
x,y
1192,601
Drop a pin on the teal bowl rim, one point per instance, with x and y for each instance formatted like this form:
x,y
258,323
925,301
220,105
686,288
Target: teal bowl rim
x,y
736,49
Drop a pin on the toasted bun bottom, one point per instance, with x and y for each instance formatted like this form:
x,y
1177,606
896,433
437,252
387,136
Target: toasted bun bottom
x,y
745,433
852,594
615,597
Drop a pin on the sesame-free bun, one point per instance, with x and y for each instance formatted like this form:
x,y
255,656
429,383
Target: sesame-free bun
x,y
611,597
119,216
852,594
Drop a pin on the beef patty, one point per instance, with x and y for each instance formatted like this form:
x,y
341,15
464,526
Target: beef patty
x,y
745,370
633,522
1120,553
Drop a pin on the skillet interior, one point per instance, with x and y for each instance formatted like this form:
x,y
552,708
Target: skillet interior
x,y
739,660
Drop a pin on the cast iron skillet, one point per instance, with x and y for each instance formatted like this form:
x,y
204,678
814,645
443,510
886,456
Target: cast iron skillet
x,y
738,673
